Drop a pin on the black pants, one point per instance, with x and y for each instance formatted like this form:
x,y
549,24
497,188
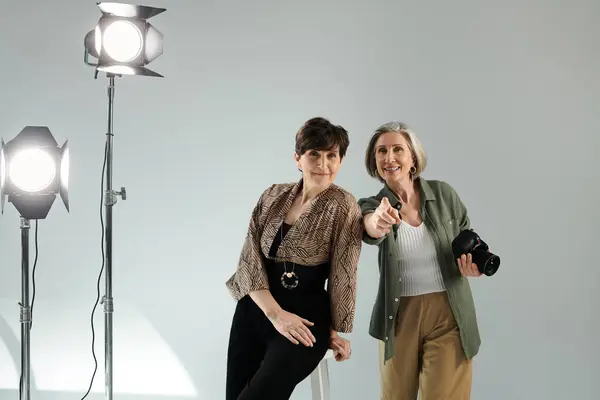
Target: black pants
x,y
264,365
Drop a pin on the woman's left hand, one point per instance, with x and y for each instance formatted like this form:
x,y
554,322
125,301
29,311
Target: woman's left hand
x,y
467,267
340,346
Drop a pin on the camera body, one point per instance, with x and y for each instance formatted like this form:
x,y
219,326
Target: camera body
x,y
468,241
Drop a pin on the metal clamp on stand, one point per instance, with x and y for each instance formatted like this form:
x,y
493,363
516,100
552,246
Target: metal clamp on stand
x,y
111,198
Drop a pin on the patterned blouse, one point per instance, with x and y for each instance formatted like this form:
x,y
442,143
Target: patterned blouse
x,y
329,230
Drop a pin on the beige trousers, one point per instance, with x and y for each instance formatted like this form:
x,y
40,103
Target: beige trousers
x,y
429,359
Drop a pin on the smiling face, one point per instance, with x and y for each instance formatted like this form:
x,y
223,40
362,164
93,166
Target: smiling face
x,y
319,167
320,148
394,158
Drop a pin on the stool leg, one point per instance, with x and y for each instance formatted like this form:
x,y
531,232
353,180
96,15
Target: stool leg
x,y
320,382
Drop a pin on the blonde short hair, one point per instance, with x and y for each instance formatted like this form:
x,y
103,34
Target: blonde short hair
x,y
416,148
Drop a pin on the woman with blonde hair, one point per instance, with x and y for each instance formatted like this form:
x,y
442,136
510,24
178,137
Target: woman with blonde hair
x,y
424,314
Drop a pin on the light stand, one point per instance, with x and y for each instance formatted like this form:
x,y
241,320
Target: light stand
x,y
120,24
33,170
109,201
25,313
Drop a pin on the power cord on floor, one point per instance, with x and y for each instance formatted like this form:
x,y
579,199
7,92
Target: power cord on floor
x,y
32,297
99,275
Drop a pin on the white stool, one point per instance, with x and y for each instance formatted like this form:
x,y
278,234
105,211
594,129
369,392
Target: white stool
x,y
319,379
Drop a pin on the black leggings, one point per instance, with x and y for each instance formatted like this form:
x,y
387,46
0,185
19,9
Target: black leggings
x,y
264,365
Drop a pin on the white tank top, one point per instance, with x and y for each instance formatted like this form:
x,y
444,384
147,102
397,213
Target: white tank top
x,y
419,268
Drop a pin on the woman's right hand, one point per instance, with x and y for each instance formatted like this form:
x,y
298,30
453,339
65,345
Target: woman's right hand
x,y
294,328
382,219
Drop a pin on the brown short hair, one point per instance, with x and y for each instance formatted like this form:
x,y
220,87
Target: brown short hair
x,y
320,134
416,148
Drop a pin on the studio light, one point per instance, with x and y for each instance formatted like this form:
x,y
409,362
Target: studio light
x,y
124,42
33,171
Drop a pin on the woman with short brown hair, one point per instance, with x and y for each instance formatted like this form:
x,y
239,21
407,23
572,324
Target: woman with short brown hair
x,y
301,235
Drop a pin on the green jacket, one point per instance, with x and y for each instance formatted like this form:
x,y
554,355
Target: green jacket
x,y
445,216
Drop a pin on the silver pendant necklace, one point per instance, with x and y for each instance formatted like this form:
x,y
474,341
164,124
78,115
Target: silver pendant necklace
x,y
289,280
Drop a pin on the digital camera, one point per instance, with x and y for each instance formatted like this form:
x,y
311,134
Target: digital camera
x,y
468,241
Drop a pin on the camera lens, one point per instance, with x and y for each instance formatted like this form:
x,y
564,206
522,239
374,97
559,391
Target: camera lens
x,y
487,263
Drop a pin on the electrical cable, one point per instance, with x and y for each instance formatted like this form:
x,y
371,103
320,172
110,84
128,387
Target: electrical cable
x,y
100,275
33,273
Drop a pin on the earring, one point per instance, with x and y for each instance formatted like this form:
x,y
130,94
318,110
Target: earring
x,y
412,170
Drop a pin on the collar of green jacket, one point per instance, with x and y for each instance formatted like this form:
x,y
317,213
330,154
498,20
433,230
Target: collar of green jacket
x,y
426,191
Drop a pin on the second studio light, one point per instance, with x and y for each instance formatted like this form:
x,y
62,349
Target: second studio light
x,y
123,41
33,170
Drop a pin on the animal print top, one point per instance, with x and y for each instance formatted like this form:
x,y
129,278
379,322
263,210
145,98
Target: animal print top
x,y
329,230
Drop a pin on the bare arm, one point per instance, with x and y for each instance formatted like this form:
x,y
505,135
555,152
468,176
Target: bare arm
x,y
293,327
265,301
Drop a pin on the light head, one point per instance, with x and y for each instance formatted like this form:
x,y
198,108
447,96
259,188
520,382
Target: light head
x,y
33,170
123,41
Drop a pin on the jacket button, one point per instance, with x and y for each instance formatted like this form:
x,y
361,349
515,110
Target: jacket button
x,y
386,338
391,317
396,299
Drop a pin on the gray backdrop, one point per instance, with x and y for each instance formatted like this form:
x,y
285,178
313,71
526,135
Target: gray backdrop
x,y
504,97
